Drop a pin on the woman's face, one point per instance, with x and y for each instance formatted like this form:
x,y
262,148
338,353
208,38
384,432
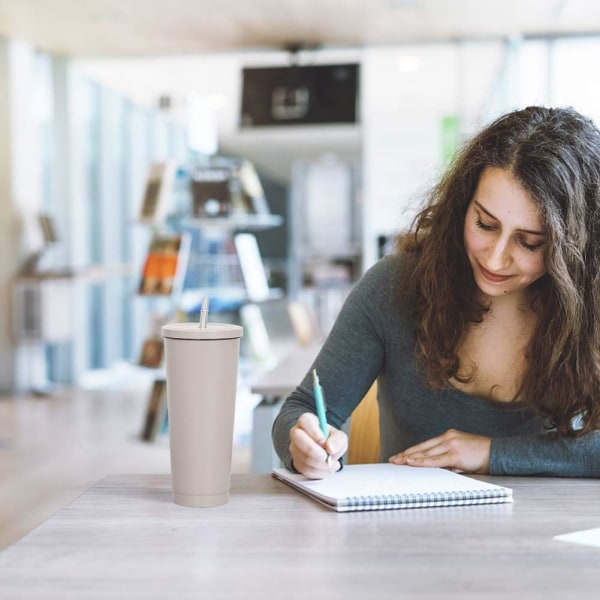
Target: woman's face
x,y
504,237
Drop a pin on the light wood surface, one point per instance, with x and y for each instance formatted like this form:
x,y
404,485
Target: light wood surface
x,y
124,538
55,447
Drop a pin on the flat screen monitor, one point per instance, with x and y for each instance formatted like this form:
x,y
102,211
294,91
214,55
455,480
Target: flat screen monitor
x,y
299,95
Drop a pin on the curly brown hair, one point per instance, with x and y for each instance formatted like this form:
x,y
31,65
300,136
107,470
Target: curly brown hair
x,y
554,154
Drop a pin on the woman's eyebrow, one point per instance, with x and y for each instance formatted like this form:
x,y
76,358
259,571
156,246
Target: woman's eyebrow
x,y
489,214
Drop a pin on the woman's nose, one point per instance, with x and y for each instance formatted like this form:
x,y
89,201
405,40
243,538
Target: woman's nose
x,y
499,256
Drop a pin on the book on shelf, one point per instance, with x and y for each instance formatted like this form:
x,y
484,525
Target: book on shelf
x,y
158,189
229,187
386,486
253,194
211,191
48,228
165,264
152,352
156,412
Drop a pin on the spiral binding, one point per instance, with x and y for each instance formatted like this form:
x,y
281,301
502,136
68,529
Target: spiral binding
x,y
424,500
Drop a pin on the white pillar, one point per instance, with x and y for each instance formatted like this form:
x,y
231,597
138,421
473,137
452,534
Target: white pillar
x,y
19,186
71,223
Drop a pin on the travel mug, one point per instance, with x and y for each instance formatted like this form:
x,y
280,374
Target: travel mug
x,y
201,369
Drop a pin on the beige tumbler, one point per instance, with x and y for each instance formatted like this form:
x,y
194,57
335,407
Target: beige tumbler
x,y
201,368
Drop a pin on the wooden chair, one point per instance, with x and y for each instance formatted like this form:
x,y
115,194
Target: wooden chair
x,y
364,444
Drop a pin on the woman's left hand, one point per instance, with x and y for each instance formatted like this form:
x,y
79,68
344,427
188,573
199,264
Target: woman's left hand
x,y
454,450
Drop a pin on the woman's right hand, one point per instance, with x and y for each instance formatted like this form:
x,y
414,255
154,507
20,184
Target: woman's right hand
x,y
313,455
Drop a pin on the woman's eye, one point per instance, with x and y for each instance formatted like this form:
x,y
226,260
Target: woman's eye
x,y
530,247
484,226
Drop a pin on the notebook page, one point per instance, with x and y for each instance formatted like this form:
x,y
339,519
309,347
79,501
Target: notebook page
x,y
386,479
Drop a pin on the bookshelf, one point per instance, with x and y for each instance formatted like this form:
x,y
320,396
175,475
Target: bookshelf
x,y
208,247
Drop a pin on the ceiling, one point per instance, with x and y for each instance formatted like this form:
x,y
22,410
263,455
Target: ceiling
x,y
93,28
188,29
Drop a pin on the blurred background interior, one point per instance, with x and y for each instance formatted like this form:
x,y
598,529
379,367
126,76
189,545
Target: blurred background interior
x,y
262,154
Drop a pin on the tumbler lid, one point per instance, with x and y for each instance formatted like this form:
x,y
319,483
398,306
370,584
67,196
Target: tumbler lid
x,y
193,331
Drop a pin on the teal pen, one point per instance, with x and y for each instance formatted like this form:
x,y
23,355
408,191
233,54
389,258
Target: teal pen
x,y
320,403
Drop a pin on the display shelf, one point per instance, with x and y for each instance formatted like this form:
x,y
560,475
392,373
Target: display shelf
x,y
220,259
248,222
230,296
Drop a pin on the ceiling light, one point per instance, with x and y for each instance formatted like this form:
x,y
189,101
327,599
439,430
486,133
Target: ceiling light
x,y
408,64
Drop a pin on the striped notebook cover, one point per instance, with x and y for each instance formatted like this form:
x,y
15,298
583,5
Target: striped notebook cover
x,y
387,486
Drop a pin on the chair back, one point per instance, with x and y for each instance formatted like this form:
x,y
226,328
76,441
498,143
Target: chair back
x,y
364,443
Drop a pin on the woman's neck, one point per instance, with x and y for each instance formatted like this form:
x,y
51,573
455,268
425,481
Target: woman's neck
x,y
510,304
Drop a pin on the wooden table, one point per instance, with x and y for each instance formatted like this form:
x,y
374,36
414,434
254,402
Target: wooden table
x,y
124,538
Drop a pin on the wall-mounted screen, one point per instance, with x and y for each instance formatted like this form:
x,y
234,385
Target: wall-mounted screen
x,y
300,95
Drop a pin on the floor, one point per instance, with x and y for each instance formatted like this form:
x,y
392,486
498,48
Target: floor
x,y
52,448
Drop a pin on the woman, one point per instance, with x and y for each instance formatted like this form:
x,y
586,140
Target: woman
x,y
483,329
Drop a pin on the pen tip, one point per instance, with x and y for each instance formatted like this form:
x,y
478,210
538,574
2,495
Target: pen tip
x,y
315,377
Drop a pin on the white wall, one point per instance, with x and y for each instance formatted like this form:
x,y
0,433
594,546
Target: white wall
x,y
571,59
403,109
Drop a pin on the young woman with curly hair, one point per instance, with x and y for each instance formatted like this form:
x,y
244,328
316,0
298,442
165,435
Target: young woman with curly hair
x,y
483,328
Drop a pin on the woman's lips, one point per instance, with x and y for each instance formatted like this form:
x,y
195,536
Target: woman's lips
x,y
492,277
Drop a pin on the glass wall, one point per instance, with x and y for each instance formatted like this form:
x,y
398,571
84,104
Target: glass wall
x,y
107,143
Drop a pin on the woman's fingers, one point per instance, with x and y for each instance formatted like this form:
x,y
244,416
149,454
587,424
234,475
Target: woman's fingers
x,y
313,454
454,449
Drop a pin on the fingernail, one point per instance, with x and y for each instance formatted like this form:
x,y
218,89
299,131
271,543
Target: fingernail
x,y
399,459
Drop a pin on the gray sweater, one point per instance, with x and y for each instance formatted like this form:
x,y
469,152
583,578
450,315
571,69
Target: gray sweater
x,y
373,338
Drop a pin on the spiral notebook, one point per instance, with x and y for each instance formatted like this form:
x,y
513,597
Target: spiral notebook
x,y
387,486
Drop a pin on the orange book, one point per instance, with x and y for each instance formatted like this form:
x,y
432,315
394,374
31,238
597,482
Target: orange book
x,y
163,264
